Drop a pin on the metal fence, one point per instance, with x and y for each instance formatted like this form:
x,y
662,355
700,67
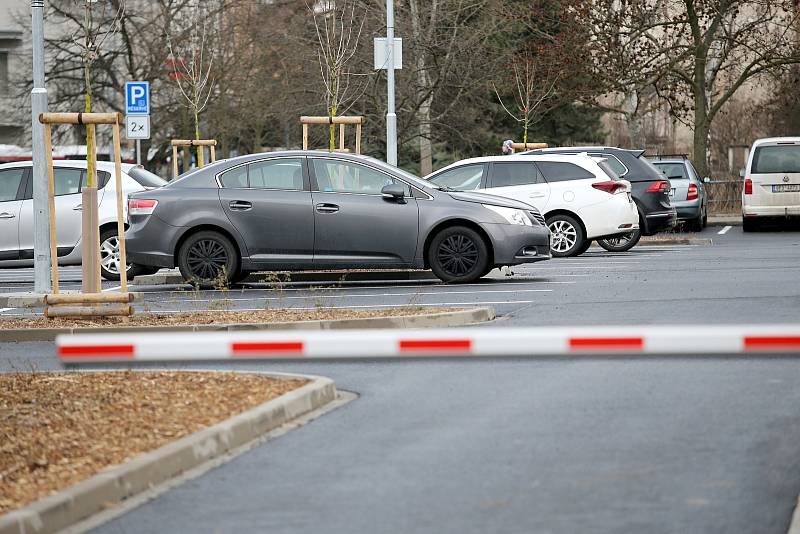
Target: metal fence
x,y
724,195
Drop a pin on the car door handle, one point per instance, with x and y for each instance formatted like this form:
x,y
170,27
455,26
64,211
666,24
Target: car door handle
x,y
536,195
79,207
6,215
327,208
240,205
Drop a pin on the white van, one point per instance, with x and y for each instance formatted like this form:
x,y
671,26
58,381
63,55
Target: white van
x,y
771,182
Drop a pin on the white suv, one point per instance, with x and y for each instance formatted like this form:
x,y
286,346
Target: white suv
x,y
771,181
16,212
581,197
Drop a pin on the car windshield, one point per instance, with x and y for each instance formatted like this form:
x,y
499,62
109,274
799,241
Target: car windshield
x,y
673,171
646,162
405,175
776,159
146,178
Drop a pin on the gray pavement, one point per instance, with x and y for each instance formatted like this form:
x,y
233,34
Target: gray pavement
x,y
578,445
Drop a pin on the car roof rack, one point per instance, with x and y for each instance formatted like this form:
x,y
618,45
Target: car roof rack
x,y
670,156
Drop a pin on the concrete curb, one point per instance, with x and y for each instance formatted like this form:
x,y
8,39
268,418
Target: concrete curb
x,y
725,221
173,278
430,320
94,494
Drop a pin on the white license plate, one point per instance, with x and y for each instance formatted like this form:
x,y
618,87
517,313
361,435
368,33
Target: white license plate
x,y
791,188
672,192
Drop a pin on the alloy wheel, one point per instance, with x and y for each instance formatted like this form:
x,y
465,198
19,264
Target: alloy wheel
x,y
457,255
620,240
206,259
564,235
109,255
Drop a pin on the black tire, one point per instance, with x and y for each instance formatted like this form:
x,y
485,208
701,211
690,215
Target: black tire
x,y
208,260
622,242
458,255
750,224
568,236
109,257
705,216
586,244
146,269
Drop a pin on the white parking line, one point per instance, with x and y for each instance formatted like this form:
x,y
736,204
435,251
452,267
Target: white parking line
x,y
111,289
725,230
6,309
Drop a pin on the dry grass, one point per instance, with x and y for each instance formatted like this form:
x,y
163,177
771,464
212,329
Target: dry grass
x,y
217,317
57,429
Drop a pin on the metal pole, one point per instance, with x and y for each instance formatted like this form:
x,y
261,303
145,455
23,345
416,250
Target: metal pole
x,y
41,206
391,117
138,151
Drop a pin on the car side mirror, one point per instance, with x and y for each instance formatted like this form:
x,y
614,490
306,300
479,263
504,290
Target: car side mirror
x,y
395,192
706,180
741,173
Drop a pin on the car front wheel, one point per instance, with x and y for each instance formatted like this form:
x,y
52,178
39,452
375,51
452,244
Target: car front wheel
x,y
567,236
208,260
109,257
458,255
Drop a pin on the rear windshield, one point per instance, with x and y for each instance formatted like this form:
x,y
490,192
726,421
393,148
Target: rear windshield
x,y
778,159
609,170
673,171
646,162
146,178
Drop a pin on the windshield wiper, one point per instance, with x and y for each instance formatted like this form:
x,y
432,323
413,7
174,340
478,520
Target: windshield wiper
x,y
447,189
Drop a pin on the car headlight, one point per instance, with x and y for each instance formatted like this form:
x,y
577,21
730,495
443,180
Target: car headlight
x,y
511,215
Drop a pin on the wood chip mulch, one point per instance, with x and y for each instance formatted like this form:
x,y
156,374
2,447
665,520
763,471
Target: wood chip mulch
x,y
216,317
57,429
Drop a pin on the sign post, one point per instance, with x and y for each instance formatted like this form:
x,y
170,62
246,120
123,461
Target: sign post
x,y
137,114
388,54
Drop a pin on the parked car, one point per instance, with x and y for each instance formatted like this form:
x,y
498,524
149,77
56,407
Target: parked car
x,y
16,212
688,193
306,209
771,182
650,191
580,197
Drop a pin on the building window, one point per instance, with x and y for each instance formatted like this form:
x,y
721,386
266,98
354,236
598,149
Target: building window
x,y
3,73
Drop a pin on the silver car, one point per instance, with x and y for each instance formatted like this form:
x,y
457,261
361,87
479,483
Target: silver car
x,y
301,210
688,193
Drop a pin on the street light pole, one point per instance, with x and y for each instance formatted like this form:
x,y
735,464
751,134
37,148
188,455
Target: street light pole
x,y
41,205
391,117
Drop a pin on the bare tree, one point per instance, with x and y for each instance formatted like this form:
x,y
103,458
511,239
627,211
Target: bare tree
x,y
694,54
338,25
192,56
534,88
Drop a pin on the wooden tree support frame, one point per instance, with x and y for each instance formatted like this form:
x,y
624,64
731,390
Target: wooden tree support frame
x,y
199,143
91,302
341,121
528,146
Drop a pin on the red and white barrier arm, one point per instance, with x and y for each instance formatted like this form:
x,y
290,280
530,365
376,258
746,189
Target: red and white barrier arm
x,y
521,342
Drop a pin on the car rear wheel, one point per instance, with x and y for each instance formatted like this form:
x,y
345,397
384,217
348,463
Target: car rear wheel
x,y
458,254
208,260
568,237
109,257
750,224
621,242
695,225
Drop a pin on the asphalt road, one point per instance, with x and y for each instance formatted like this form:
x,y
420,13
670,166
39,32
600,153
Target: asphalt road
x,y
558,445
742,277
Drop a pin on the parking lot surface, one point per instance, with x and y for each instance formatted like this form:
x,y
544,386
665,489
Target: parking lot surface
x,y
634,445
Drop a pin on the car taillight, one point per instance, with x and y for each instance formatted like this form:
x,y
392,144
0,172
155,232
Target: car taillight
x,y
660,186
748,186
610,186
139,206
692,193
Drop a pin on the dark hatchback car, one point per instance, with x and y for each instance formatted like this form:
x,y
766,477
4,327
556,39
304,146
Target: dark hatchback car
x,y
650,190
309,210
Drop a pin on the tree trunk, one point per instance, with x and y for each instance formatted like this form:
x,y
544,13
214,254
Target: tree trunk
x,y
702,125
424,89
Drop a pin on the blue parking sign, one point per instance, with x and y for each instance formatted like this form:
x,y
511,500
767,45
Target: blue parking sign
x,y
137,98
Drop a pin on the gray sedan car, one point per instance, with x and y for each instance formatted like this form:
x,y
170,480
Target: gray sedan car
x,y
688,193
302,210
